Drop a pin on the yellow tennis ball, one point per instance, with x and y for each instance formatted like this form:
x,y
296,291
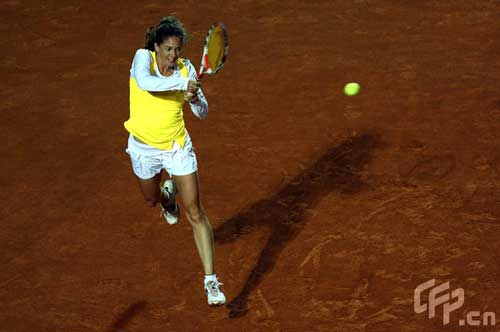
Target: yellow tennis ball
x,y
351,89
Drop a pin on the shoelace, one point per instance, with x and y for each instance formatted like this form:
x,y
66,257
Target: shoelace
x,y
214,287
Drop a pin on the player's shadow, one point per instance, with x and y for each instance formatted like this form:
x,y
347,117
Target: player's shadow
x,y
338,170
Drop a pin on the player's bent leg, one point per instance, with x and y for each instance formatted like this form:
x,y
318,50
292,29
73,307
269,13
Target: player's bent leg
x,y
147,169
150,189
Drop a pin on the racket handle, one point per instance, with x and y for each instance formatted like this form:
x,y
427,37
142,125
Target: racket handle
x,y
200,76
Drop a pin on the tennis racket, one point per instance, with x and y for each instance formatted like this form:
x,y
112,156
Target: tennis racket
x,y
215,50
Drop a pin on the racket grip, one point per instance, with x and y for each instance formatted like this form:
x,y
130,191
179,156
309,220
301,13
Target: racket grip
x,y
200,76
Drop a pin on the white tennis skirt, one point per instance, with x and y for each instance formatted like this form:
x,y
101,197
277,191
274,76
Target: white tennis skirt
x,y
147,161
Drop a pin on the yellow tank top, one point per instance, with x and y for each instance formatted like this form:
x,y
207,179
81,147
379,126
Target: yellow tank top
x,y
156,118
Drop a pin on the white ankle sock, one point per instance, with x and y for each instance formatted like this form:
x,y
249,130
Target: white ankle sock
x,y
210,277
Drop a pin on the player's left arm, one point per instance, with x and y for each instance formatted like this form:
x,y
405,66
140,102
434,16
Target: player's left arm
x,y
198,102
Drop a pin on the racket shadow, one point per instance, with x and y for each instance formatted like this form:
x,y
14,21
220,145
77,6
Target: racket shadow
x,y
124,319
338,170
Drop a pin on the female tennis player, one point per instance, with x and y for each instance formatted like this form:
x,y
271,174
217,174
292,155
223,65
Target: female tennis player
x,y
160,82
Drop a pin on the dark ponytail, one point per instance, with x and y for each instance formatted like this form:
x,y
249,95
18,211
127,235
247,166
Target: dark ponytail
x,y
168,27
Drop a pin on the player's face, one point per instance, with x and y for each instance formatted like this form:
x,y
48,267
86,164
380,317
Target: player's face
x,y
168,51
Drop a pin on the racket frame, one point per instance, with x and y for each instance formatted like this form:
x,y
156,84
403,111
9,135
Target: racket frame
x,y
205,66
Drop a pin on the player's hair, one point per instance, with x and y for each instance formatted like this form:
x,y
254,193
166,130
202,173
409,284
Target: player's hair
x,y
169,26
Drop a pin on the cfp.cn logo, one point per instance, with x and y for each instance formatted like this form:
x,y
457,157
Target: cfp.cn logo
x,y
450,301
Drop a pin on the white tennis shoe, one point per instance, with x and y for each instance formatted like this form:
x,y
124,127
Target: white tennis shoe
x,y
171,211
214,293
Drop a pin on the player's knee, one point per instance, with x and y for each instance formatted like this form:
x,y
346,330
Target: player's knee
x,y
194,213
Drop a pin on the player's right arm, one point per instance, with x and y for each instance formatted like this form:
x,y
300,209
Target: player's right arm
x,y
140,71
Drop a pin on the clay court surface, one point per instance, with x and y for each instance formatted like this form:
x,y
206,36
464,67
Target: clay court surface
x,y
328,210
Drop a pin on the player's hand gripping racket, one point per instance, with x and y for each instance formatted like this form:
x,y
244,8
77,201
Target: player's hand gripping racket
x,y
215,50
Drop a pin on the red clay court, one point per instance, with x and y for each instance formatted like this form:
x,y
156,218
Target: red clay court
x,y
328,210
